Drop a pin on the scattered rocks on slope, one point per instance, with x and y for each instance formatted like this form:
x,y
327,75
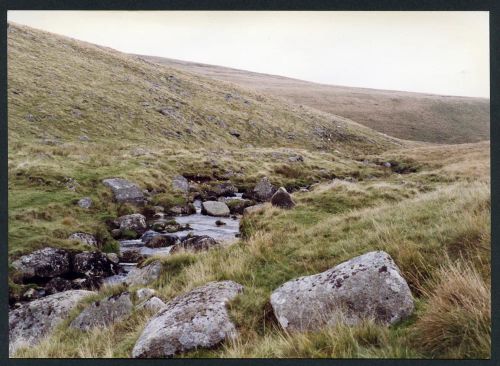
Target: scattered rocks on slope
x,y
124,190
179,183
44,263
85,202
196,319
367,286
215,208
34,320
94,264
282,199
104,312
264,190
84,238
196,243
145,275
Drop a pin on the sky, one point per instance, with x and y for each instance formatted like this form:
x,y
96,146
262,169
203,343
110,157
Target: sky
x,y
432,52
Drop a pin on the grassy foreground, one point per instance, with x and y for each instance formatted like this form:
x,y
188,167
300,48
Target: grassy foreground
x,y
435,223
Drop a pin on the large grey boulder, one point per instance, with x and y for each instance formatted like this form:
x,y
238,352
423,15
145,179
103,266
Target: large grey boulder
x,y
282,199
34,320
134,222
179,183
145,275
196,319
215,208
94,264
84,238
44,263
104,312
264,190
124,190
368,286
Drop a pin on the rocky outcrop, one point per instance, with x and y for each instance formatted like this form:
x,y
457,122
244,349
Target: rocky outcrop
x,y
282,199
34,320
84,238
179,183
124,190
58,284
94,264
368,286
104,312
195,243
196,319
264,190
44,263
145,275
215,208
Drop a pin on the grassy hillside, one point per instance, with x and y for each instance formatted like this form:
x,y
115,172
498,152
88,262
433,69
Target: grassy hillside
x,y
79,113
411,116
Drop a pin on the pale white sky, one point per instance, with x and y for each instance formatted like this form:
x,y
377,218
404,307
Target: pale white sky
x,y
434,52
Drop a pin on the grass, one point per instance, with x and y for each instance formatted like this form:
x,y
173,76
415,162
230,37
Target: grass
x,y
432,204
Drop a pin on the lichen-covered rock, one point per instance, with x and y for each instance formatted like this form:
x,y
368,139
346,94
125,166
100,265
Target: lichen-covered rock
x,y
84,238
282,199
215,208
44,263
94,264
162,241
132,255
34,320
368,286
154,303
104,312
132,223
196,319
144,293
195,243
145,275
179,183
264,190
124,190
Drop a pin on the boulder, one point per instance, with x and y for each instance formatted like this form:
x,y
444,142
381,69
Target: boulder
x,y
295,158
104,312
144,293
237,206
148,235
133,255
215,208
124,190
34,320
94,264
132,223
161,241
33,294
225,189
84,238
195,243
264,190
87,283
187,209
57,284
179,183
282,199
145,275
154,304
253,209
368,286
44,263
85,202
113,257
197,319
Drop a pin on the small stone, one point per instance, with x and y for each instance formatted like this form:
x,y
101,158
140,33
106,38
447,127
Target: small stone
x,y
85,202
